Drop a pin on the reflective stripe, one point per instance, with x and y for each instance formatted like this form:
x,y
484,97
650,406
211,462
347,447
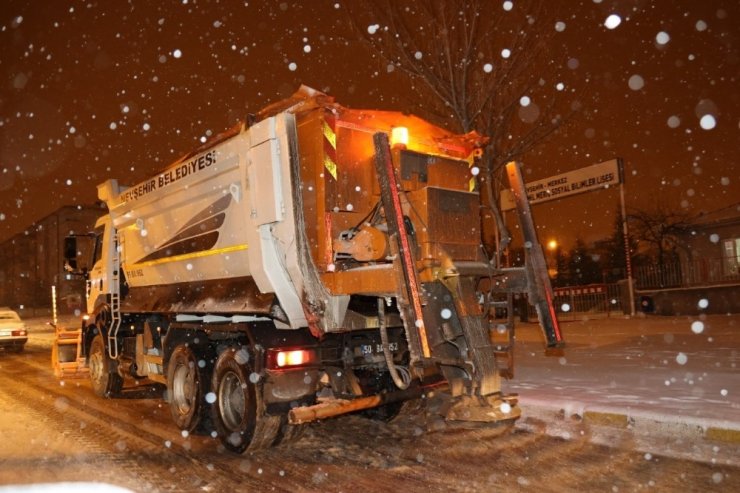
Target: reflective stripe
x,y
330,166
330,135
330,147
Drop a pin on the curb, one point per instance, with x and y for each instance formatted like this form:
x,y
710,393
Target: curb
x,y
710,441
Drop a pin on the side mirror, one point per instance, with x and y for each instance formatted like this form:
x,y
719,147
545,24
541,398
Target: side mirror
x,y
70,254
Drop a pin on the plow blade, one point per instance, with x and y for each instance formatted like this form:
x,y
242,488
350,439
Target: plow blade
x,y
66,358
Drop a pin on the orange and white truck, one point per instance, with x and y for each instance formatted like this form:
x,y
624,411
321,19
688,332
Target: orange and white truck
x,y
319,260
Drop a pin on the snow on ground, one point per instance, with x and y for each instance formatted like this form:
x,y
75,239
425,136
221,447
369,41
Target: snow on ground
x,y
672,372
653,365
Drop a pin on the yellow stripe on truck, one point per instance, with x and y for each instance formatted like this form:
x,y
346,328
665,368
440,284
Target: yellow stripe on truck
x,y
188,256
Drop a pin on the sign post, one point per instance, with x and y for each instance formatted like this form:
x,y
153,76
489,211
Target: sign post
x,y
627,256
590,178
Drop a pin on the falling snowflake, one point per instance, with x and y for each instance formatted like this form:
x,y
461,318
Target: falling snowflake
x,y
636,82
707,122
612,21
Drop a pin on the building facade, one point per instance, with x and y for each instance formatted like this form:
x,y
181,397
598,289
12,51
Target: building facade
x,y
32,262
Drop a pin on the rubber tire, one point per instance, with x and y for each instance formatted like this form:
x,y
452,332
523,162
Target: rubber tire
x,y
105,382
289,433
234,413
187,386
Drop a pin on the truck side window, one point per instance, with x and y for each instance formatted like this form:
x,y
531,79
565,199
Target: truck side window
x,y
98,251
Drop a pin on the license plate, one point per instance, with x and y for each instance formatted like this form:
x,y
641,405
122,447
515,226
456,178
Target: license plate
x,y
378,348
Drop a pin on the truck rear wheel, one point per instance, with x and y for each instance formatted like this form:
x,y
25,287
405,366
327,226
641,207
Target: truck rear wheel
x,y
235,410
105,381
187,386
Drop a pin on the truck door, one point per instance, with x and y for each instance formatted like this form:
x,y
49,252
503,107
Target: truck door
x,y
97,281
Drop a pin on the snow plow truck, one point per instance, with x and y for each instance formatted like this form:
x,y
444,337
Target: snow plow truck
x,y
315,261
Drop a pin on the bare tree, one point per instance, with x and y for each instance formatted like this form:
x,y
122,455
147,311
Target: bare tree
x,y
475,64
659,230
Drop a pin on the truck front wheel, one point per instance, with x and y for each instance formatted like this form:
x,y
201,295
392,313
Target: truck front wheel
x,y
105,382
235,410
187,386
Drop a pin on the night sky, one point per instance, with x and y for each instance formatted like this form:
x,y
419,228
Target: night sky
x,y
112,89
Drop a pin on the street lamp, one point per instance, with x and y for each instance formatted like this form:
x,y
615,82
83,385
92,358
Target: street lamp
x,y
552,246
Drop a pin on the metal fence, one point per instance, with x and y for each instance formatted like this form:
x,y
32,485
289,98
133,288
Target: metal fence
x,y
697,272
581,302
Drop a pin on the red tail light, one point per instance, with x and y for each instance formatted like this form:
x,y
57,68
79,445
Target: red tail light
x,y
292,358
